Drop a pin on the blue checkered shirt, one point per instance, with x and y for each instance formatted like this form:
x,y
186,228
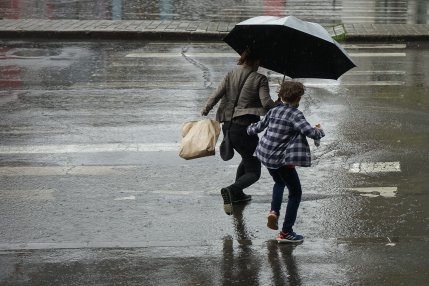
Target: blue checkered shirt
x,y
284,142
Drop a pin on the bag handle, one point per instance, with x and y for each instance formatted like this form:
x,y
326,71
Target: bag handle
x,y
236,100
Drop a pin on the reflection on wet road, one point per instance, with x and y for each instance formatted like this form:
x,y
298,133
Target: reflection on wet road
x,y
90,177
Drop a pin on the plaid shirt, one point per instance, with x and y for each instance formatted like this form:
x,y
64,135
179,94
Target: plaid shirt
x,y
284,142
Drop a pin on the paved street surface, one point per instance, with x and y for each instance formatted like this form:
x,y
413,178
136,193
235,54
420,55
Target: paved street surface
x,y
92,190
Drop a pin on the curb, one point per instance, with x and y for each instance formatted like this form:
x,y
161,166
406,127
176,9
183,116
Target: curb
x,y
182,30
175,35
114,35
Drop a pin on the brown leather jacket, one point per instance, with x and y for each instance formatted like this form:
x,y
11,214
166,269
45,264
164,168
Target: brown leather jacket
x,y
254,99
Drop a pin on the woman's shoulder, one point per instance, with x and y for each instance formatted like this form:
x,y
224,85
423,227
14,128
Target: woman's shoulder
x,y
258,79
260,76
244,70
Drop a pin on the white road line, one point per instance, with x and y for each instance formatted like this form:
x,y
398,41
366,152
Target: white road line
x,y
119,244
361,55
129,198
350,83
388,192
375,72
173,55
153,55
375,167
64,170
374,46
168,192
358,72
161,84
234,55
373,83
88,148
32,195
162,192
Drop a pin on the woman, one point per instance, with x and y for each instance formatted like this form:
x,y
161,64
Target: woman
x,y
254,101
284,146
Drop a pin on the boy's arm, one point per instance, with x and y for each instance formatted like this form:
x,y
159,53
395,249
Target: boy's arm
x,y
257,127
301,124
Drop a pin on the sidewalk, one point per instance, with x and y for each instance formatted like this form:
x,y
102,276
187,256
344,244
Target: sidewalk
x,y
181,30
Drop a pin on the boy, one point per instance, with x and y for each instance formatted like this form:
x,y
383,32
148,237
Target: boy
x,y
284,146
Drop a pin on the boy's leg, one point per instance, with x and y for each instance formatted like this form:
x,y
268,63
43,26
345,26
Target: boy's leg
x,y
278,189
291,179
276,201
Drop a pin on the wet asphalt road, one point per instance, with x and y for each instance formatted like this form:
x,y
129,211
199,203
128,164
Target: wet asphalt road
x,y
92,190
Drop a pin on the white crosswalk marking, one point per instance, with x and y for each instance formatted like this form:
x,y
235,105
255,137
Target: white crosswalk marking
x,y
388,192
374,46
88,148
32,195
376,72
349,83
375,167
64,170
359,55
235,55
129,198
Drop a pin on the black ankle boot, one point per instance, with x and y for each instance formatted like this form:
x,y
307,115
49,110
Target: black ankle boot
x,y
240,197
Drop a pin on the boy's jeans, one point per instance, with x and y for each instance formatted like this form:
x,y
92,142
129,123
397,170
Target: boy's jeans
x,y
286,177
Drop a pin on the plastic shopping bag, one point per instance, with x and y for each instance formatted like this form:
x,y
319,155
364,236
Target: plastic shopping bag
x,y
199,138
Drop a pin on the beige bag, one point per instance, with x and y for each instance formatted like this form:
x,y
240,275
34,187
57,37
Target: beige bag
x,y
199,138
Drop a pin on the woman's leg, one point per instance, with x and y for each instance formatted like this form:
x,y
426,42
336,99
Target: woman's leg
x,y
249,170
240,170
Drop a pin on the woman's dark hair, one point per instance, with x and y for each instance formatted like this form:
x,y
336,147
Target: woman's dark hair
x,y
248,57
291,90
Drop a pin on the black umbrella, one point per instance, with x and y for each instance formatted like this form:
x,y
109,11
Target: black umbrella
x,y
292,47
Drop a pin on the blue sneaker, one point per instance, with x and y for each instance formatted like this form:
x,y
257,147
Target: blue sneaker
x,y
289,237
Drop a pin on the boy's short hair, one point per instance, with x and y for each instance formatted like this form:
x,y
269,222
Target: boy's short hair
x,y
291,90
